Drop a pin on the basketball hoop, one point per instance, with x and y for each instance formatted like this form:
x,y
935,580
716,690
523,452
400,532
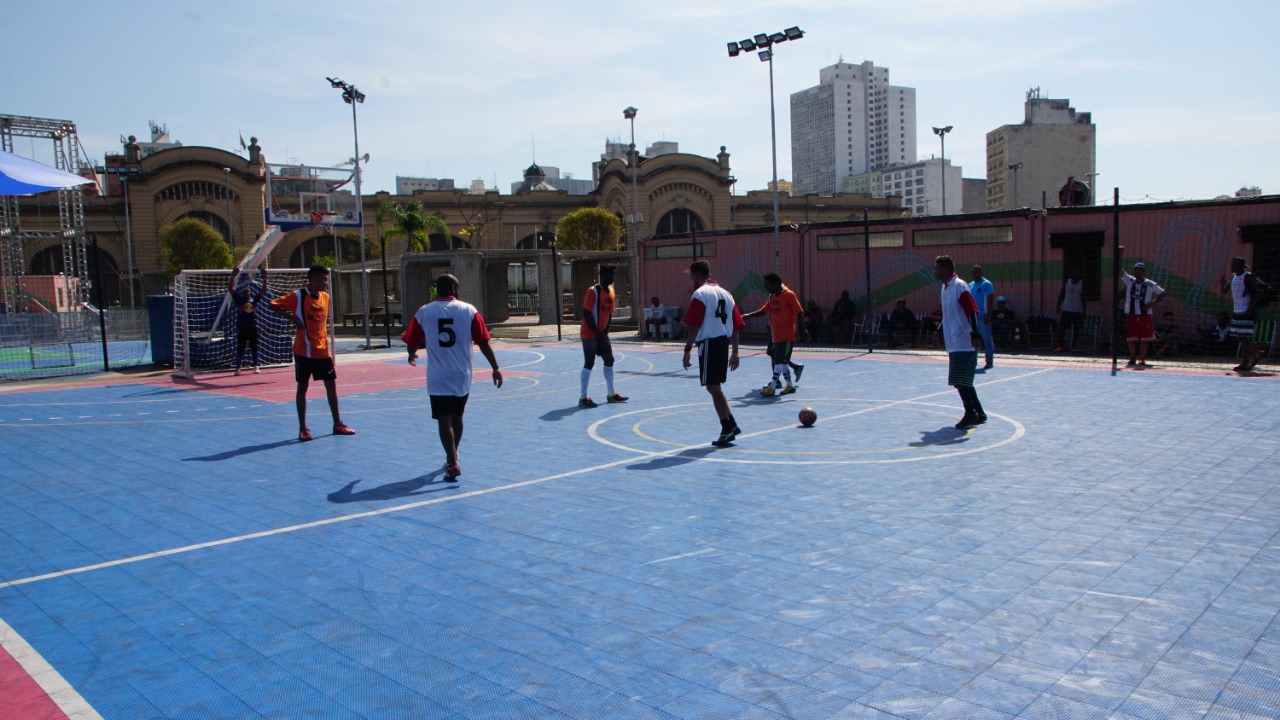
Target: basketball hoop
x,y
325,220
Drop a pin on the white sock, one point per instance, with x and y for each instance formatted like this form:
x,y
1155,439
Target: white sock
x,y
585,377
608,378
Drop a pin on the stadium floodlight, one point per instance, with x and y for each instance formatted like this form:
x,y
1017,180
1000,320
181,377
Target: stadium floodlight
x,y
764,43
941,132
351,96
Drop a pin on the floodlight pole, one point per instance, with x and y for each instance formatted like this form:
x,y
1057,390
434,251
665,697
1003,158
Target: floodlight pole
x,y
766,44
351,96
773,138
231,235
128,240
941,132
1015,167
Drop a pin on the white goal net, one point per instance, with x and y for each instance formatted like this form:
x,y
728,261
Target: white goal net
x,y
204,320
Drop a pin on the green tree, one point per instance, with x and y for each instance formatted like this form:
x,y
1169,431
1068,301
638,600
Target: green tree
x,y
411,222
190,244
589,229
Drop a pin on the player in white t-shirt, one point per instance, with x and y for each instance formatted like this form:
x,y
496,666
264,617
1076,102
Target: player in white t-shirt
x,y
714,323
446,327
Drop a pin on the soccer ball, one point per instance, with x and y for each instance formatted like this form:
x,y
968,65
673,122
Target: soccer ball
x,y
808,417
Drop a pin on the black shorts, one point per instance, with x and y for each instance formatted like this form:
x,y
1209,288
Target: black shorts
x,y
713,360
600,345
442,405
780,352
246,335
313,368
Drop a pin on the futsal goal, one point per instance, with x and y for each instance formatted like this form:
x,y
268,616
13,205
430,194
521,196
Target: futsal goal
x,y
204,320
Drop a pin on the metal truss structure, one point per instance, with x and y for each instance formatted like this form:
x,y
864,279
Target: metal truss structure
x,y
71,230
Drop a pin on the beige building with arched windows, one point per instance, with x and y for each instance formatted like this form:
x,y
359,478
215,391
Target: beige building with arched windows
x,y
676,192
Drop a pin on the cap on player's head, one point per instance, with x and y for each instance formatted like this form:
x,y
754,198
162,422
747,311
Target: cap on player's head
x,y
446,286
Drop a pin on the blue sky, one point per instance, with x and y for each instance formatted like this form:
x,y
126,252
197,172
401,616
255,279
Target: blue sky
x,y
1184,94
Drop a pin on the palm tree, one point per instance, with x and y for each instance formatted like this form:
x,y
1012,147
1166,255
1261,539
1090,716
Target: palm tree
x,y
410,221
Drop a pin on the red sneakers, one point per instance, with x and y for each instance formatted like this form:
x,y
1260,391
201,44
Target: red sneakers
x,y
304,435
341,429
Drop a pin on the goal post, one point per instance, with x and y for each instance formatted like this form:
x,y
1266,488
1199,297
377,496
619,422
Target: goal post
x,y
204,323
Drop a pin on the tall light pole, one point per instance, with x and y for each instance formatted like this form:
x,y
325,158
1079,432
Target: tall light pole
x,y
1015,167
231,235
633,159
942,133
764,43
352,96
128,239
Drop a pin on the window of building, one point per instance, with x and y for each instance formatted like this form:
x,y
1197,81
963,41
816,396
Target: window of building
x,y
963,236
857,241
683,250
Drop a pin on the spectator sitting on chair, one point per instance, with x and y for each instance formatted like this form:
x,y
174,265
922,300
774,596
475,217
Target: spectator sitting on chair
x,y
1166,334
1213,339
902,320
813,319
930,327
840,320
655,318
1003,322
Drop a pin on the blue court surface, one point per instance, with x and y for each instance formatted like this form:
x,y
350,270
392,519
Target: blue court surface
x,y
1104,547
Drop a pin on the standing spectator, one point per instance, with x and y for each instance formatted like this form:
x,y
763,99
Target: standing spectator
x,y
1167,334
655,318
961,338
714,323
840,320
786,320
597,311
1244,288
447,327
1071,310
813,320
247,301
312,353
982,291
1141,296
902,320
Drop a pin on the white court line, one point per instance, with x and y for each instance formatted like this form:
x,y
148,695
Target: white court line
x,y
400,508
70,702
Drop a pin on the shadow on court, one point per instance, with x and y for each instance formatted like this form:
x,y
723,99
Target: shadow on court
x,y
945,435
683,457
390,491
246,450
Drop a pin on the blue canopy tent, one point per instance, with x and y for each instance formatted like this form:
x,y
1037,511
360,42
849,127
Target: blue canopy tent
x,y
20,176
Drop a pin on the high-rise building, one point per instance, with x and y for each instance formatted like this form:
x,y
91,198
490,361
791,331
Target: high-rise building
x,y
853,121
1029,164
919,184
410,185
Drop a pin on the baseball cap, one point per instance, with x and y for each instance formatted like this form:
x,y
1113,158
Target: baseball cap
x,y
1139,266
1001,299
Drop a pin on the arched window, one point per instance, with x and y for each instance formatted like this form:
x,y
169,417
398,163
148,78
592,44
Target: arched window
x,y
679,221
326,245
49,262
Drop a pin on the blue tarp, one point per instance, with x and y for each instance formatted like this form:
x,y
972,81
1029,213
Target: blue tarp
x,y
20,176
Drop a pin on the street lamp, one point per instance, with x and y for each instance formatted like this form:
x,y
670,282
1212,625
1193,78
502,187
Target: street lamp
x,y
1015,167
231,235
942,133
633,158
352,96
763,43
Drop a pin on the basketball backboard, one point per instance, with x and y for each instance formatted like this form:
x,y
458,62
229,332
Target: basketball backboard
x,y
305,196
